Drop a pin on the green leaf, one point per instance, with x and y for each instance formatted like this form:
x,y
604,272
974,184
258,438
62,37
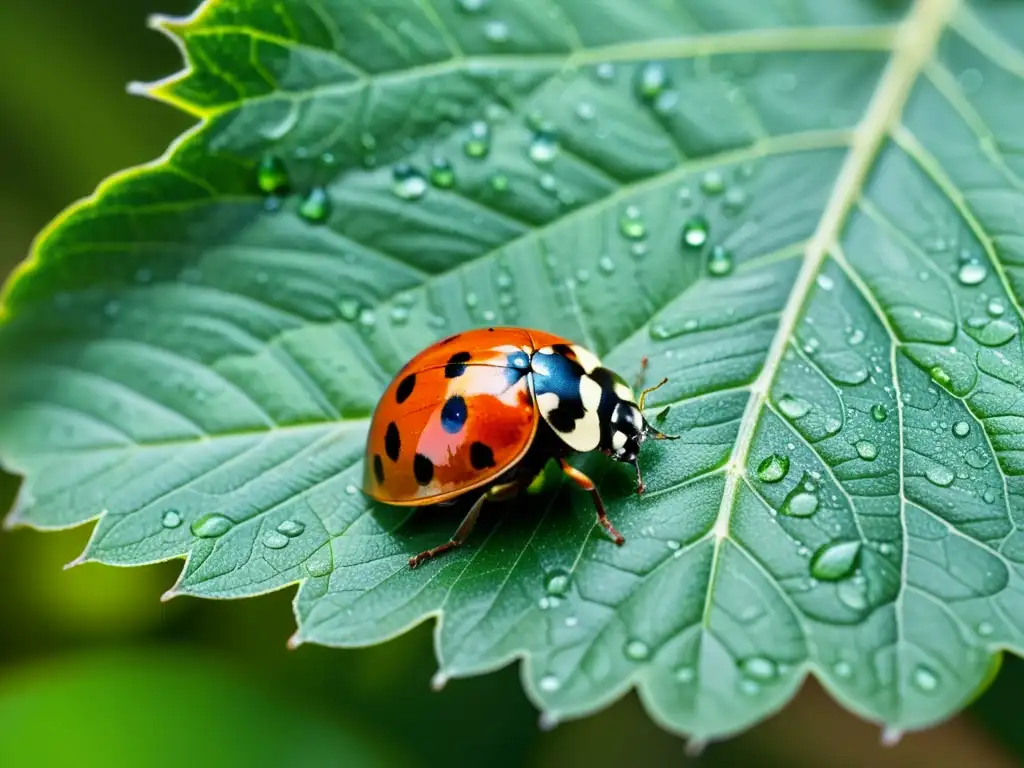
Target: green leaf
x,y
806,215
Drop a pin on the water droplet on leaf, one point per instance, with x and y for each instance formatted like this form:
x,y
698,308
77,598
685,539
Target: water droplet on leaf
x,y
800,502
544,147
272,176
759,668
866,450
695,233
939,475
275,540
878,412
793,407
712,183
652,78
211,526
315,206
478,144
972,273
549,684
441,173
925,679
719,262
496,31
557,583
835,561
409,183
961,429
637,650
773,468
171,519
291,528
631,224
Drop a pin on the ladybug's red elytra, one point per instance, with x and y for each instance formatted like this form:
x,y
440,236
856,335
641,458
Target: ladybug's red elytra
x,y
486,409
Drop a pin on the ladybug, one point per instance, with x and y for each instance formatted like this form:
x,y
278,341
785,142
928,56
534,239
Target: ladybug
x,y
486,410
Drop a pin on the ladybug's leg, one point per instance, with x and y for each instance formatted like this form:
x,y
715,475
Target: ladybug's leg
x,y
587,484
494,493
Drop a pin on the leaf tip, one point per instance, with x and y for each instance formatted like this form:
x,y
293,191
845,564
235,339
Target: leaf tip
x,y
169,594
139,88
890,736
294,641
695,747
439,681
80,560
547,721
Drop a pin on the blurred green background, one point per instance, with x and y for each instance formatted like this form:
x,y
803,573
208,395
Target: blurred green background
x,y
96,671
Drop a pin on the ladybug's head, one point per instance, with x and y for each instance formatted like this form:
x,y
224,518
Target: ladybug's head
x,y
629,429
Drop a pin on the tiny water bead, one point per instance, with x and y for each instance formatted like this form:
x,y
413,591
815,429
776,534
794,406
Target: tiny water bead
x,y
712,183
843,669
735,201
878,412
801,502
866,450
651,79
719,262
544,147
972,273
499,182
637,650
549,684
271,175
759,668
557,583
940,476
291,528
605,265
835,561
318,565
496,31
442,175
961,429
585,111
773,468
171,519
996,307
211,526
685,675
348,309
408,183
985,629
631,223
793,407
925,678
315,206
478,145
472,6
695,233
351,489
825,282
275,540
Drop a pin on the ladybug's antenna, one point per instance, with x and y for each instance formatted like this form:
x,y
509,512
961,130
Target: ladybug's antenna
x,y
646,392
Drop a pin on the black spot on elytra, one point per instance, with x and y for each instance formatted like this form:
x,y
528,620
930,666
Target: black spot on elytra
x,y
564,350
481,456
456,365
405,388
564,417
378,468
423,469
392,441
453,414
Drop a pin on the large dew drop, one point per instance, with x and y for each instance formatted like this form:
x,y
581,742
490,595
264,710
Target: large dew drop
x,y
272,176
408,183
695,233
315,206
793,407
211,526
631,224
773,468
835,561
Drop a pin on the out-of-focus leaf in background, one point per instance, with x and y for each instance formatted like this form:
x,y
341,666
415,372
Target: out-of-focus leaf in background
x,y
73,124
